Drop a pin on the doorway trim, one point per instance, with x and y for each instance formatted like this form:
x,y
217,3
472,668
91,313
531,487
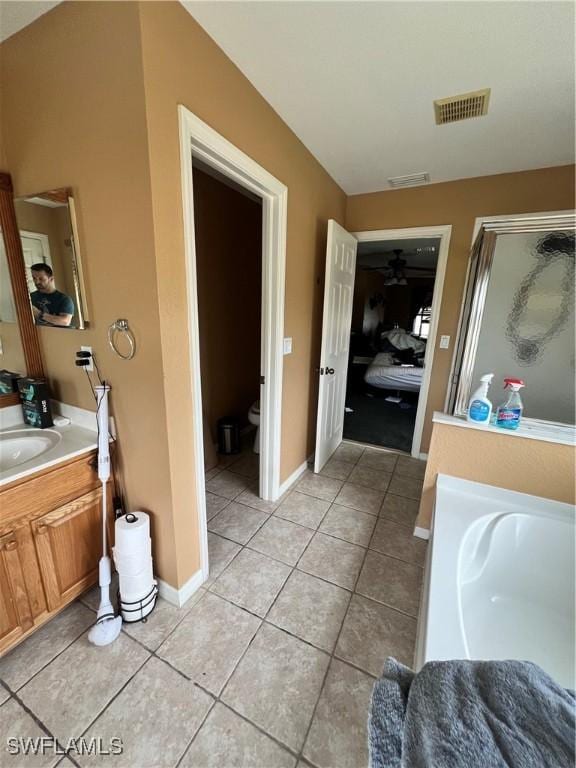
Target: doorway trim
x,y
444,232
199,140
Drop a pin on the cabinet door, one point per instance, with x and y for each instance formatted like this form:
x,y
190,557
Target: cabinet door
x,y
15,611
69,545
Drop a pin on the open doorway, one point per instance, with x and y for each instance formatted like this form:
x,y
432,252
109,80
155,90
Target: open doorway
x,y
344,365
228,239
201,147
391,317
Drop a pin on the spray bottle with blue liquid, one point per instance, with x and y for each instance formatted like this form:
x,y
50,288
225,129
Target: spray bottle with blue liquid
x,y
508,414
480,408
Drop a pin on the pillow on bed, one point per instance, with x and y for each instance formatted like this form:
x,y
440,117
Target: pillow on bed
x,y
387,346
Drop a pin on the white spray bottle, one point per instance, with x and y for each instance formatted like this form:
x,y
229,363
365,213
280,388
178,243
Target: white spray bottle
x,y
480,408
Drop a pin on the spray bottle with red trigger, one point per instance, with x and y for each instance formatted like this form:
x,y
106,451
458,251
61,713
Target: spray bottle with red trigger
x,y
508,414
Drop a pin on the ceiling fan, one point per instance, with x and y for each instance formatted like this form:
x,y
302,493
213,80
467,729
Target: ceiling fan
x,y
395,270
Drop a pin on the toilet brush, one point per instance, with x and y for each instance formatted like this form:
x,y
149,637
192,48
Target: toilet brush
x,y
108,625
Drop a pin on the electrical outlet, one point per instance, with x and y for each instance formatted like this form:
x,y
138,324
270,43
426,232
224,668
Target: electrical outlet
x,y
90,366
444,342
288,345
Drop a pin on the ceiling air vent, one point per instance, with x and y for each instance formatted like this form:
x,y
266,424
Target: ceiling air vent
x,y
412,180
462,107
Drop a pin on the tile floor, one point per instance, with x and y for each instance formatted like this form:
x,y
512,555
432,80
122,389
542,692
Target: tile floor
x,y
272,663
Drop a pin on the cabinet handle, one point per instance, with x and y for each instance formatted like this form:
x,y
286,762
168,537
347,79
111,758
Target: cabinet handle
x,y
41,529
8,541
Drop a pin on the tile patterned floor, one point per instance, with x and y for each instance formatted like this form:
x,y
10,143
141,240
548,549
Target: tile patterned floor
x,y
272,663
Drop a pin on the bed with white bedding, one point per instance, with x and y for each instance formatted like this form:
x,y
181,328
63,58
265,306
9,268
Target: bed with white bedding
x,y
382,373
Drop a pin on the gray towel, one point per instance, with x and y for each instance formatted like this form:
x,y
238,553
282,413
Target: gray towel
x,y
470,714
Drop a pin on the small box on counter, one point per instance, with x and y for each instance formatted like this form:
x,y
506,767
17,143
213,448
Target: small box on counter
x,y
35,399
9,381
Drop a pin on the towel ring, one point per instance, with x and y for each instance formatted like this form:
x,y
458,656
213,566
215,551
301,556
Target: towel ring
x,y
121,326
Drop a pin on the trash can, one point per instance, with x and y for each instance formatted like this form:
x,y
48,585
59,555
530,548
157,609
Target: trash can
x,y
228,436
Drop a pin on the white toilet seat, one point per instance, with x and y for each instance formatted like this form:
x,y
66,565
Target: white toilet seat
x,y
254,418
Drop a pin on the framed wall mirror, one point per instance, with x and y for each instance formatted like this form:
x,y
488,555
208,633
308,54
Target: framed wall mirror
x,y
11,347
20,346
52,260
518,316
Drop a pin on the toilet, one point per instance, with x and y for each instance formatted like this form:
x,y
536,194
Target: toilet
x,y
254,418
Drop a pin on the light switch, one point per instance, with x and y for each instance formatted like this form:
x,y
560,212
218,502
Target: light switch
x,y
444,342
288,345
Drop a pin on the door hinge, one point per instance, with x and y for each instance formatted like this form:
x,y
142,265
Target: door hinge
x,y
262,380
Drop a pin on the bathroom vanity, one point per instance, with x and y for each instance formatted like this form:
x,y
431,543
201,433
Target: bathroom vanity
x,y
50,494
50,527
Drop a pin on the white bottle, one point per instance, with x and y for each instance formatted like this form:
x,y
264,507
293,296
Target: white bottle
x,y
480,408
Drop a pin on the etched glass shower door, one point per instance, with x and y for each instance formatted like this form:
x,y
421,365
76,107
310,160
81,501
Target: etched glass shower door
x,y
523,320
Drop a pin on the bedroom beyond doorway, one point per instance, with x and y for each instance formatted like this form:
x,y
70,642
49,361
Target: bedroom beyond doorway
x,y
391,322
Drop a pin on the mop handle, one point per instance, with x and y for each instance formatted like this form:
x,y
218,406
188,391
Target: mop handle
x,y
102,420
104,518
103,451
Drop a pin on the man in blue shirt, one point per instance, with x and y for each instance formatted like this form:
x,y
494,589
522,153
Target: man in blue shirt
x,y
50,306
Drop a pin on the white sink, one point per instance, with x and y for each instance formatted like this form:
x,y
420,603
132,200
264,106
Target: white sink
x,y
20,445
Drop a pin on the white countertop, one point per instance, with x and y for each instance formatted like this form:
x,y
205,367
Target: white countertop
x,y
532,430
74,441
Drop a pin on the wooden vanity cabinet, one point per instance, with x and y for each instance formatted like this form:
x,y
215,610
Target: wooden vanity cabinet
x,y
50,544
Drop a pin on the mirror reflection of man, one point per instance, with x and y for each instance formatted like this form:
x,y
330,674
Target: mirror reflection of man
x,y
50,306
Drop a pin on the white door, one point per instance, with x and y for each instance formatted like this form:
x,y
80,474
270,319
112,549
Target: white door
x,y
36,250
336,324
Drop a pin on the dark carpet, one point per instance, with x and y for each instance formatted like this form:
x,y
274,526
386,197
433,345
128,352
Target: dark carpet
x,y
378,422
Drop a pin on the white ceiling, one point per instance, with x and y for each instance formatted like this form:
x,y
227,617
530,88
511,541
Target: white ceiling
x,y
417,252
17,14
355,80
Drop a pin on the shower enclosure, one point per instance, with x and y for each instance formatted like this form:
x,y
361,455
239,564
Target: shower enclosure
x,y
517,317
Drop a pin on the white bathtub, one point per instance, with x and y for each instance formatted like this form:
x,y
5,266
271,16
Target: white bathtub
x,y
499,580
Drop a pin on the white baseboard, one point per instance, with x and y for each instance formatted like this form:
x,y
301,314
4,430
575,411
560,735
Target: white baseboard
x,y
422,533
179,597
423,456
292,479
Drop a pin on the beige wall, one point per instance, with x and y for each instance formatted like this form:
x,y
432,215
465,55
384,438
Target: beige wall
x,y
183,65
228,230
505,461
109,129
459,203
79,69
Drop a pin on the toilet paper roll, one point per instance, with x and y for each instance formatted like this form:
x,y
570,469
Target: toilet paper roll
x,y
132,567
128,559
132,531
136,587
141,552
